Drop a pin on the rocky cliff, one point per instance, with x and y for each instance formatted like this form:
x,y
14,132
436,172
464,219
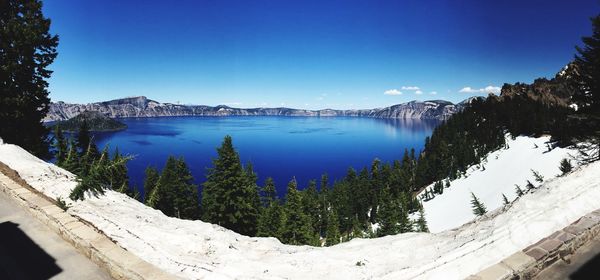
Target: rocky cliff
x,y
557,91
144,107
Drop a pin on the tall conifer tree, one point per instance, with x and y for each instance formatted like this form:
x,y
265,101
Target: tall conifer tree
x,y
228,198
26,51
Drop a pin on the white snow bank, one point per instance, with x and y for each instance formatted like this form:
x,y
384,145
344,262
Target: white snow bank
x,y
503,169
194,249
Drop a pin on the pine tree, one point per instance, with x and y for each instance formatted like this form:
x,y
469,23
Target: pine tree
x,y
310,202
83,137
175,194
252,212
324,205
89,155
529,185
477,206
505,200
438,187
333,232
518,190
60,145
26,51
389,214
588,97
98,176
228,198
150,181
565,166
538,177
404,223
297,229
71,162
270,220
119,175
421,222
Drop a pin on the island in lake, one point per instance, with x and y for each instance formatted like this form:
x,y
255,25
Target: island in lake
x,y
95,120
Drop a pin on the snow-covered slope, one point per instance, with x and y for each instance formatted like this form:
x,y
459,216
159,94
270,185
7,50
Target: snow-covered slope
x,y
194,249
499,174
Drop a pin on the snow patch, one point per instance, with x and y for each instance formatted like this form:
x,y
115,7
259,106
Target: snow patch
x,y
498,174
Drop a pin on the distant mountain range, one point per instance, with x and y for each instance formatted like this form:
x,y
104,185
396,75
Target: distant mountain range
x,y
143,107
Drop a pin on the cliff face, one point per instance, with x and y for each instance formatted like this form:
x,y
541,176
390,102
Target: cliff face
x,y
556,91
144,107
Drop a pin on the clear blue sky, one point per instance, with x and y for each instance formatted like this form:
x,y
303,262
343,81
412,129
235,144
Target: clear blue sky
x,y
308,54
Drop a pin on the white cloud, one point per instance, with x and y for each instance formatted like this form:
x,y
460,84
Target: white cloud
x,y
433,93
418,92
392,92
488,89
492,89
410,88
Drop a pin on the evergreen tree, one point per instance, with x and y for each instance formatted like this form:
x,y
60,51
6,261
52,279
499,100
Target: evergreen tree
x,y
404,223
175,194
249,223
588,97
150,181
119,173
310,202
89,155
389,214
97,178
71,162
565,166
438,187
518,190
505,200
333,232
421,222
228,198
26,51
477,206
269,192
297,229
538,177
83,137
324,206
529,185
270,220
60,146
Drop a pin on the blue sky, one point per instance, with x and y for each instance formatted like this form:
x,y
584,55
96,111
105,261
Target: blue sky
x,y
308,54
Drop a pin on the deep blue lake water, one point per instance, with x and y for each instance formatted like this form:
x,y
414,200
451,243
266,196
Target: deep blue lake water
x,y
278,147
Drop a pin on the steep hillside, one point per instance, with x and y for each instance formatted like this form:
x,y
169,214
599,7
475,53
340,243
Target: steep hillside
x,y
144,107
498,174
194,249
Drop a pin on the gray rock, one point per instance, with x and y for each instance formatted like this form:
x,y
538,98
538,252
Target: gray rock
x,y
144,107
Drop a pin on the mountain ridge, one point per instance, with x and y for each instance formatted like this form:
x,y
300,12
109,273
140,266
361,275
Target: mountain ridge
x,y
141,106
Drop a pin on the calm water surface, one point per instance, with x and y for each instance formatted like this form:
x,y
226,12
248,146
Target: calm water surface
x,y
278,147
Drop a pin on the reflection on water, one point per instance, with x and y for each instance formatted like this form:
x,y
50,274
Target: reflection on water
x,y
279,147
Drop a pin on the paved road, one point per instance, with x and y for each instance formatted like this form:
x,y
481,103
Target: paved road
x,y
30,250
585,264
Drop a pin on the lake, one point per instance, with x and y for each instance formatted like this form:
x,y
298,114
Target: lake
x,y
278,147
